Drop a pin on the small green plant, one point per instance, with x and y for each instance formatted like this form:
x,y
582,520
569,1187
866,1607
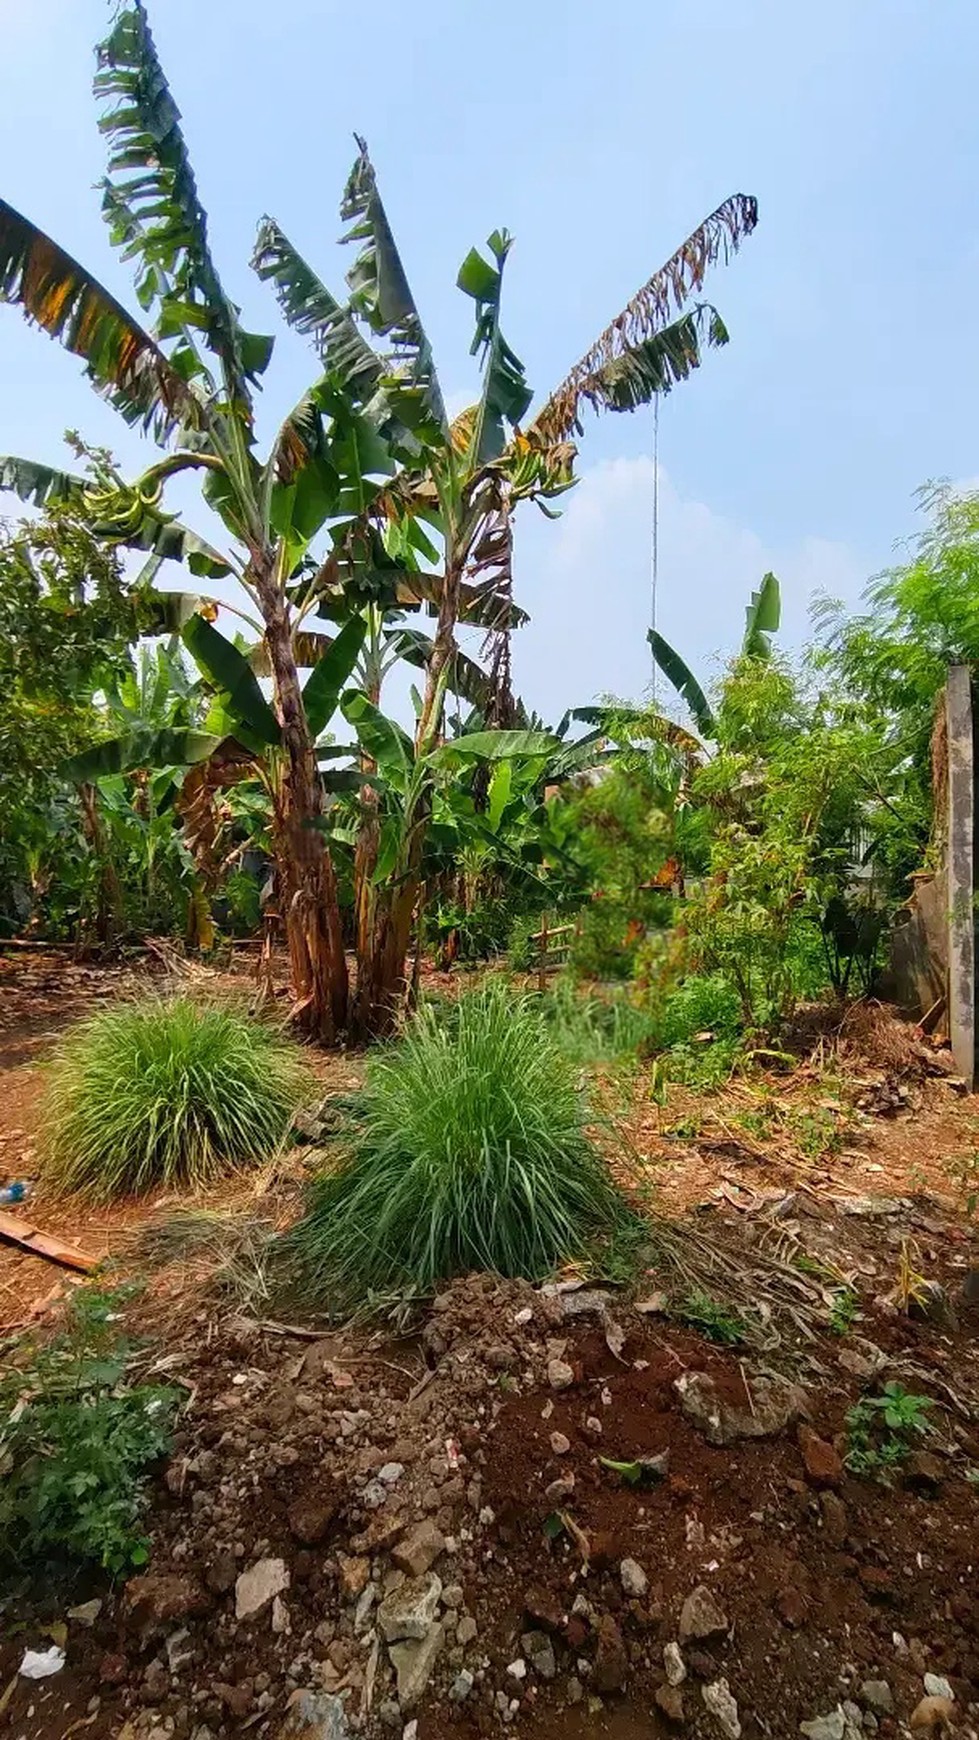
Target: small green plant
x,y
166,1092
881,1429
844,1311
76,1440
715,1320
468,1151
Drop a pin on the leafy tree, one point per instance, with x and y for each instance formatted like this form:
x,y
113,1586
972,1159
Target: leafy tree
x,y
414,511
67,621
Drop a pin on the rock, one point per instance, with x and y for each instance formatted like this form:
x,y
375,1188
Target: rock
x,y
461,1686
876,1695
113,1668
929,1303
791,1606
775,1405
701,1617
937,1686
670,1700
830,1727
558,1491
673,1662
560,1444
86,1614
718,1700
419,1550
466,1630
560,1375
178,1652
517,1670
311,1516
453,1595
611,1665
655,1306
931,1712
220,1573
156,1681
588,1302
574,1691
314,1716
413,1664
259,1585
834,1518
281,1623
823,1464
149,1602
410,1610
633,1578
862,1365
701,1663
362,1612
354,1575
539,1651
539,1605
391,1473
923,1472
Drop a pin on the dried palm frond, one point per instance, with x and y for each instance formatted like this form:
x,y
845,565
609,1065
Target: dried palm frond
x,y
640,353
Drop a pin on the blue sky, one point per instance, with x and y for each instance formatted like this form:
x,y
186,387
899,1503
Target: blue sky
x,y
600,135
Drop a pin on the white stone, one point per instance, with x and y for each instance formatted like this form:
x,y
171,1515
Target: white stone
x,y
673,1662
718,1700
634,1579
259,1585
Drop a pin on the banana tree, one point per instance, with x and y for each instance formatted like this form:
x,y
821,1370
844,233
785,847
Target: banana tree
x,y
417,512
763,615
453,488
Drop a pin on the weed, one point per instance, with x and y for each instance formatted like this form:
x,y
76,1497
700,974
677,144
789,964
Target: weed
x,y
844,1311
75,1441
593,1029
880,1429
468,1151
713,1319
816,1132
166,1092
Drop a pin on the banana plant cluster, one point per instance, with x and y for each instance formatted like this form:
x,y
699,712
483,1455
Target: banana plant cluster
x,y
369,502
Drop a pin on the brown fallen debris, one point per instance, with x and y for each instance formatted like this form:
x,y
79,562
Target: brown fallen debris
x,y
48,1245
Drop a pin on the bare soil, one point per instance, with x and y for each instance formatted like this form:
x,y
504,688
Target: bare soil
x,y
327,1450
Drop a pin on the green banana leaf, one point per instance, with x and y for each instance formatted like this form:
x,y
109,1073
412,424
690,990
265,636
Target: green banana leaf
x,y
324,685
230,672
681,676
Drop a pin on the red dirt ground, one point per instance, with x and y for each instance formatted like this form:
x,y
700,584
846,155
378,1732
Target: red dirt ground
x,y
822,1588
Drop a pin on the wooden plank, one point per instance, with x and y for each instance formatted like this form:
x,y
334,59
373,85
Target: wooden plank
x,y
41,1244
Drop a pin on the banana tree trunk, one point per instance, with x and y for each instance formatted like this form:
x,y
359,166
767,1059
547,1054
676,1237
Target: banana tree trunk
x,y
307,882
382,984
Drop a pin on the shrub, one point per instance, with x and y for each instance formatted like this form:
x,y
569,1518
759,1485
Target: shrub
x,y
166,1092
75,1440
468,1151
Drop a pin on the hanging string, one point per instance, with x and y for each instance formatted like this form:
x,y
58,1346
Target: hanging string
x,y
654,586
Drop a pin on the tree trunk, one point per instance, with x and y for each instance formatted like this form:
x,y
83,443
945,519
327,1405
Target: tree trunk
x,y
382,984
307,882
384,916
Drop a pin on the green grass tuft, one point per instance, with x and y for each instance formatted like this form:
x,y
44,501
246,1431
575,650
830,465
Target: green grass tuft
x,y
468,1152
166,1092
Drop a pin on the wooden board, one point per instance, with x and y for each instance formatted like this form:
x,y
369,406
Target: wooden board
x,y
41,1244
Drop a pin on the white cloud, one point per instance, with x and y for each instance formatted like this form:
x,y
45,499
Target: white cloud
x,y
587,583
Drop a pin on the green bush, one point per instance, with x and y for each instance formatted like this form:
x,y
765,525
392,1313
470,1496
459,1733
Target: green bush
x,y
704,1003
594,1029
166,1092
468,1151
75,1442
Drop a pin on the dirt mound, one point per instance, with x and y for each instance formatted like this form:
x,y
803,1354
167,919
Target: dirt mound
x,y
518,1517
